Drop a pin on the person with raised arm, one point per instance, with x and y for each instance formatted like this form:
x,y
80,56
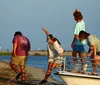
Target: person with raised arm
x,y
55,54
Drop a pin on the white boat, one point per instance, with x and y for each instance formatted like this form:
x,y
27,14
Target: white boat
x,y
71,78
79,79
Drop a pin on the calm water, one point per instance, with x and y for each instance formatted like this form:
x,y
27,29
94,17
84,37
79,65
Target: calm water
x,y
42,62
36,61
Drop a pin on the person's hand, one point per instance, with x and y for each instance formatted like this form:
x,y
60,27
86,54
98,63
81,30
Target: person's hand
x,y
61,54
43,28
14,54
95,57
87,55
72,45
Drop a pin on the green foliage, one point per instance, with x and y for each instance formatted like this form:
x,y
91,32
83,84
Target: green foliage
x,y
5,53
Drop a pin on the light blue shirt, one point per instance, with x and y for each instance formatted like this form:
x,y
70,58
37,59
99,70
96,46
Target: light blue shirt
x,y
79,27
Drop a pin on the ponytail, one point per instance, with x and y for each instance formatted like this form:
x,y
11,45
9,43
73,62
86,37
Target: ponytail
x,y
57,41
53,38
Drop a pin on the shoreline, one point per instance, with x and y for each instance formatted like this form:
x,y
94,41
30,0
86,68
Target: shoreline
x,y
34,76
36,53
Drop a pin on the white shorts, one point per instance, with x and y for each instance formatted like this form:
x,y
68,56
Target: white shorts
x,y
58,60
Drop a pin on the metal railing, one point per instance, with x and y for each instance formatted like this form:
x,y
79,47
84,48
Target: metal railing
x,y
69,63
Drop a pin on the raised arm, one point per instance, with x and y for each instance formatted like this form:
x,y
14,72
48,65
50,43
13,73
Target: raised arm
x,y
46,31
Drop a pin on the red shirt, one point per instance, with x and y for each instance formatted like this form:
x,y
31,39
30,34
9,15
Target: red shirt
x,y
23,45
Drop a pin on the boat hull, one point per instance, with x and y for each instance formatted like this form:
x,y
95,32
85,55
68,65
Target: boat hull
x,y
79,79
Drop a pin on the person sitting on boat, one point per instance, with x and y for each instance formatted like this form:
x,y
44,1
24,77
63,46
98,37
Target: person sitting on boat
x,y
55,53
94,46
77,46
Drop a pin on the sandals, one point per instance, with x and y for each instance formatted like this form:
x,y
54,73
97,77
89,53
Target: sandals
x,y
43,82
94,73
18,76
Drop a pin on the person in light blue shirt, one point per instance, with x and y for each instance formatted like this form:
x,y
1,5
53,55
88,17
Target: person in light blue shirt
x,y
77,46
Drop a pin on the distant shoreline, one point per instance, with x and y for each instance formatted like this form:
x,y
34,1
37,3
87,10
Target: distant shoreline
x,y
35,53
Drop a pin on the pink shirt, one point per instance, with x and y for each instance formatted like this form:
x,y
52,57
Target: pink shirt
x,y
23,45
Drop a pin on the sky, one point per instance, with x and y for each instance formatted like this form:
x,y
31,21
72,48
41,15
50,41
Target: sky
x,y
28,16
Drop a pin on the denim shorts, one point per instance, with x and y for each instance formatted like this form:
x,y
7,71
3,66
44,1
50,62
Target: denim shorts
x,y
78,48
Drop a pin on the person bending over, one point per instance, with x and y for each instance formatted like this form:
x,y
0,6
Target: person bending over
x,y
94,47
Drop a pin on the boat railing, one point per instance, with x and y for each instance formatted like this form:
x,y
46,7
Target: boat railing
x,y
68,63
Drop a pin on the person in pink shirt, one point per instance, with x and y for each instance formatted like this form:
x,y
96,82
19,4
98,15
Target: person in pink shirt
x,y
21,47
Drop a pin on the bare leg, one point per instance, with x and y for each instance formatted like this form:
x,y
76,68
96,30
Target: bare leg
x,y
13,66
82,60
50,66
93,63
74,55
97,61
56,65
23,72
76,66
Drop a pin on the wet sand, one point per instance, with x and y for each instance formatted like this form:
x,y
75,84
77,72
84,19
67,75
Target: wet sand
x,y
33,77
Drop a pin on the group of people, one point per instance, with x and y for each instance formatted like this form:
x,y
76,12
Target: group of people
x,y
21,47
81,37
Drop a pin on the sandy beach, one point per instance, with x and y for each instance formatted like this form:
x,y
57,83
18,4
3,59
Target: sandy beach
x,y
33,77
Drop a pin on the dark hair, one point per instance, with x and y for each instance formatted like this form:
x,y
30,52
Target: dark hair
x,y
53,38
57,41
82,33
78,15
17,33
50,36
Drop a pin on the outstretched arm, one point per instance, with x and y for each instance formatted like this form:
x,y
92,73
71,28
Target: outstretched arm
x,y
46,31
